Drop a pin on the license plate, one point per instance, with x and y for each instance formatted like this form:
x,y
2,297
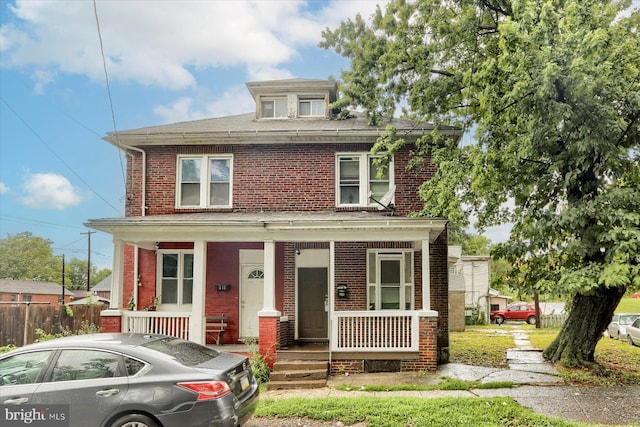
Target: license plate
x,y
244,383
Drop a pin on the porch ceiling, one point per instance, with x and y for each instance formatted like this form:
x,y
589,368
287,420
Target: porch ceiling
x,y
275,226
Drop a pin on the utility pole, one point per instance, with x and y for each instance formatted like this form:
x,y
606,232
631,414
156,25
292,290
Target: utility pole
x,y
88,233
62,279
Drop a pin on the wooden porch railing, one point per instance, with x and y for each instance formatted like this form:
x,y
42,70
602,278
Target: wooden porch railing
x,y
385,331
157,322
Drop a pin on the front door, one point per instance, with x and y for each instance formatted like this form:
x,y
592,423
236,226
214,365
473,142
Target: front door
x,y
251,299
312,298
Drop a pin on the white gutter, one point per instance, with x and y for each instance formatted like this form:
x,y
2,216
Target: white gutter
x,y
144,175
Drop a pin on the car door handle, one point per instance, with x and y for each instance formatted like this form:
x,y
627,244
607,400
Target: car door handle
x,y
107,393
17,401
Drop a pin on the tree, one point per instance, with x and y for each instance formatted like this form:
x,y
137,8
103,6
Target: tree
x,y
553,89
76,274
24,256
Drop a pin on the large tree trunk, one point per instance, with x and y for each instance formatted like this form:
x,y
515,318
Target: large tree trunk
x,y
588,318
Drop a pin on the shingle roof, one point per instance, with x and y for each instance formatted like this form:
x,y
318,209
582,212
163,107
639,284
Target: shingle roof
x,y
29,287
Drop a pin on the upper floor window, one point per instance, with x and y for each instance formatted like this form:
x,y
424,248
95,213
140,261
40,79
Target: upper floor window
x,y
273,108
204,181
314,107
358,180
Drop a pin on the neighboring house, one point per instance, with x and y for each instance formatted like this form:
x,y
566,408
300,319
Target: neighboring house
x,y
270,219
103,288
456,291
471,274
93,300
23,291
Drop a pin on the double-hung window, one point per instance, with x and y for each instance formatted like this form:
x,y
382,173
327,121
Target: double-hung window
x,y
390,280
358,179
311,107
273,108
204,181
175,278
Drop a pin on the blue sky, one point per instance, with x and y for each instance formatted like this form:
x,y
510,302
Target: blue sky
x,y
167,61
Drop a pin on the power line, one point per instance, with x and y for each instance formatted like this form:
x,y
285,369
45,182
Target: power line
x,y
42,141
30,221
106,78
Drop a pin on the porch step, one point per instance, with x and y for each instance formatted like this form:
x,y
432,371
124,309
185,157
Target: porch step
x,y
303,355
298,374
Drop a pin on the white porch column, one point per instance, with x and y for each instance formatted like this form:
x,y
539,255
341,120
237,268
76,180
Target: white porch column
x,y
116,275
196,324
426,277
269,301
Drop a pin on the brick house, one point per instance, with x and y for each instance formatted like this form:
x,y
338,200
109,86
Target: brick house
x,y
28,291
278,221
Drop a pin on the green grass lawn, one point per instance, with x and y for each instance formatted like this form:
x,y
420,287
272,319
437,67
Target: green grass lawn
x,y
409,411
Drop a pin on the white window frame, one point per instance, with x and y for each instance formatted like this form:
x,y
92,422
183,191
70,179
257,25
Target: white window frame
x,y
407,280
363,190
313,101
179,305
205,183
274,101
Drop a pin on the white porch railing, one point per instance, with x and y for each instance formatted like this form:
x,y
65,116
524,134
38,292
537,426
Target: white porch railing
x,y
157,322
386,331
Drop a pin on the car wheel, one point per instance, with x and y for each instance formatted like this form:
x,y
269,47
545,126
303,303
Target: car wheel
x,y
134,420
630,339
499,320
531,320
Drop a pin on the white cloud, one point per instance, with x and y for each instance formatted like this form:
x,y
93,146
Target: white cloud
x,y
49,191
160,43
4,188
236,100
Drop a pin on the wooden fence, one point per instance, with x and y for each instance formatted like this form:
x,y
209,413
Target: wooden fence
x,y
17,329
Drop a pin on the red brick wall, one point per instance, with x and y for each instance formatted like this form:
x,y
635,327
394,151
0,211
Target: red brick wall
x,y
35,298
297,171
440,293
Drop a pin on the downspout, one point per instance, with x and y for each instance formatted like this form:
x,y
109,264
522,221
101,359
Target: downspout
x,y
143,202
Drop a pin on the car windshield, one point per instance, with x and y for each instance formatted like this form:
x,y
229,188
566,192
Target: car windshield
x,y
628,319
185,352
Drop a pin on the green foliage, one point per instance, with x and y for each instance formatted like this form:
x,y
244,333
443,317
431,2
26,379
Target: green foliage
x,y
85,328
24,256
258,364
7,348
407,411
447,383
552,90
76,274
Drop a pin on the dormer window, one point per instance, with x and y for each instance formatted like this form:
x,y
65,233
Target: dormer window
x,y
273,108
311,107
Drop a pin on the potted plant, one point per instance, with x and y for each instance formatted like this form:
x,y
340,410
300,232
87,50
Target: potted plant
x,y
154,302
132,303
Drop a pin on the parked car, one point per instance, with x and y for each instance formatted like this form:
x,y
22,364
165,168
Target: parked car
x,y
515,311
125,380
617,328
633,332
635,295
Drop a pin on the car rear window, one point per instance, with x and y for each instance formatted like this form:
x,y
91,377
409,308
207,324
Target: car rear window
x,y
186,353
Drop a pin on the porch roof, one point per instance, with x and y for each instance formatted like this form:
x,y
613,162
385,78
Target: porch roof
x,y
270,226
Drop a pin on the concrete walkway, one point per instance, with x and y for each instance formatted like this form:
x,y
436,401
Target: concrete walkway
x,y
540,387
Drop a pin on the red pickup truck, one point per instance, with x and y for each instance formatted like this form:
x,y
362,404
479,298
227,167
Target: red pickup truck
x,y
515,311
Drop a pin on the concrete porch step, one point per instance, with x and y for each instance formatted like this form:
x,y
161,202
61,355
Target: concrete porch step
x,y
303,355
298,374
291,375
290,385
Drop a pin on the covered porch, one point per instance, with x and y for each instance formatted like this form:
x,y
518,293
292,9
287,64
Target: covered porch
x,y
351,331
